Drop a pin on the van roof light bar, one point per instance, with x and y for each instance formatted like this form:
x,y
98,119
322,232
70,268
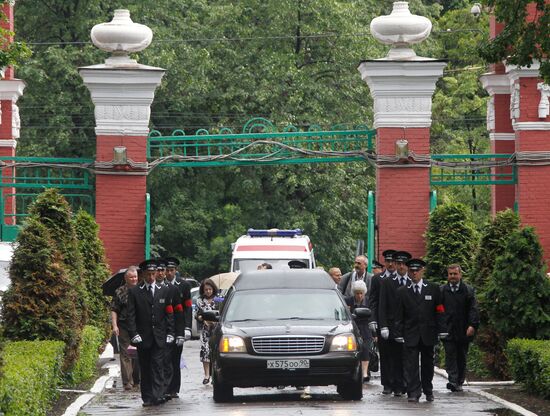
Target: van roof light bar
x,y
274,232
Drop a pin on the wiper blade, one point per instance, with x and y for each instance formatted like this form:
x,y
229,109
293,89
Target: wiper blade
x,y
244,320
298,318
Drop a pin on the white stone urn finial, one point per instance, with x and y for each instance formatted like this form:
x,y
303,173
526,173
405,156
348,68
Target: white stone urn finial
x,y
401,29
121,36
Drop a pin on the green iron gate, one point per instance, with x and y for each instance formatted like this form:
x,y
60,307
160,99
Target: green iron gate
x,y
23,178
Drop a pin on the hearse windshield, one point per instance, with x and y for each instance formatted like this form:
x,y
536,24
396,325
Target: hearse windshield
x,y
286,304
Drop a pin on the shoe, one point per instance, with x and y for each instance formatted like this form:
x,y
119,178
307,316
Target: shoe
x,y
397,394
147,404
280,387
386,390
429,397
173,395
206,380
459,388
159,401
413,399
128,387
167,397
366,379
299,388
451,386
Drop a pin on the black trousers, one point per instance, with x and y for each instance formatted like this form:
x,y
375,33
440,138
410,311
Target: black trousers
x,y
419,381
395,354
455,361
151,363
173,359
385,365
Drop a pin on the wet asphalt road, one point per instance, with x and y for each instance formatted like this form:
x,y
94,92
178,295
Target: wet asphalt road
x,y
196,399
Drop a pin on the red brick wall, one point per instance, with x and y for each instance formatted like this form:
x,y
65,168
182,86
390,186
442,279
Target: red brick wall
x,y
9,202
402,194
6,126
503,196
120,204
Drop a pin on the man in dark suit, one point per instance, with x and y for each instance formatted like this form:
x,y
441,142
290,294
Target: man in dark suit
x,y
183,315
359,273
462,320
387,309
151,328
420,320
374,297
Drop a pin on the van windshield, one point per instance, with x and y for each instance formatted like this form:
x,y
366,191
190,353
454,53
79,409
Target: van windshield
x,y
281,304
246,265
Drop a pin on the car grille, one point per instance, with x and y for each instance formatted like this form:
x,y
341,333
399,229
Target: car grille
x,y
288,345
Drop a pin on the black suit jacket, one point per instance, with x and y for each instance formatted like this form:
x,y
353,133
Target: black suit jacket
x,y
183,309
420,317
153,321
387,306
374,295
461,310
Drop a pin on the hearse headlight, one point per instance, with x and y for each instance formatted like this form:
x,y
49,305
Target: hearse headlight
x,y
232,343
344,342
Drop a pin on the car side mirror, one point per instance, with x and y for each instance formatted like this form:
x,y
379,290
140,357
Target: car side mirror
x,y
361,314
212,316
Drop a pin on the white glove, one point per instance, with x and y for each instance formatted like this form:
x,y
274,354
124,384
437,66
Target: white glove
x,y
373,326
442,336
137,339
385,333
169,339
400,340
187,333
180,341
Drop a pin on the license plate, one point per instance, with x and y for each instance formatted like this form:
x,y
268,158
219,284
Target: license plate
x,y
287,364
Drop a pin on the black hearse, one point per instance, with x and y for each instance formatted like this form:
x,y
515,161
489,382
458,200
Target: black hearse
x,y
285,327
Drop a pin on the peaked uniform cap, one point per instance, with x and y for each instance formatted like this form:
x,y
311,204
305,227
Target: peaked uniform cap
x,y
402,256
172,262
388,254
376,263
150,264
416,264
161,264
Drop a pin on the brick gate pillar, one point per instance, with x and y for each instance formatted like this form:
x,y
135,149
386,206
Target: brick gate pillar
x,y
530,115
402,85
499,125
122,91
10,91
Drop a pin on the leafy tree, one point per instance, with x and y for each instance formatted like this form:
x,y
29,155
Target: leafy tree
x,y
40,302
450,238
494,238
519,289
522,40
95,268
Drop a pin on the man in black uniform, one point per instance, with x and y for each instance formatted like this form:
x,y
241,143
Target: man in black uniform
x,y
420,320
150,324
387,309
183,315
373,322
462,320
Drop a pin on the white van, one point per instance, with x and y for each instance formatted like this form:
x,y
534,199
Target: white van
x,y
6,253
282,249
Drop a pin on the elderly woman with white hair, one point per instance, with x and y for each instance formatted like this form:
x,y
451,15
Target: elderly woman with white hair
x,y
358,299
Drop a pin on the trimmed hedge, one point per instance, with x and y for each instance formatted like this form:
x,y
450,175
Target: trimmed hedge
x,y
530,364
31,375
85,366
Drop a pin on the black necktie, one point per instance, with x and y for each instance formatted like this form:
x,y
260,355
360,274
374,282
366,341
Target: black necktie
x,y
402,281
454,288
417,289
150,292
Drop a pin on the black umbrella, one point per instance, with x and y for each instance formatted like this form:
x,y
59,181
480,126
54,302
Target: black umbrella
x,y
114,282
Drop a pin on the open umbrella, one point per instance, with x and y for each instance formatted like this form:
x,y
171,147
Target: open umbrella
x,y
113,283
224,280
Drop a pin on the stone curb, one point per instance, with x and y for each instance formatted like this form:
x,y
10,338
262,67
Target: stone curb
x,y
512,406
99,385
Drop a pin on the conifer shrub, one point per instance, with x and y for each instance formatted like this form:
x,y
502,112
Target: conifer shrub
x,y
95,269
493,240
451,237
519,289
53,210
40,302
